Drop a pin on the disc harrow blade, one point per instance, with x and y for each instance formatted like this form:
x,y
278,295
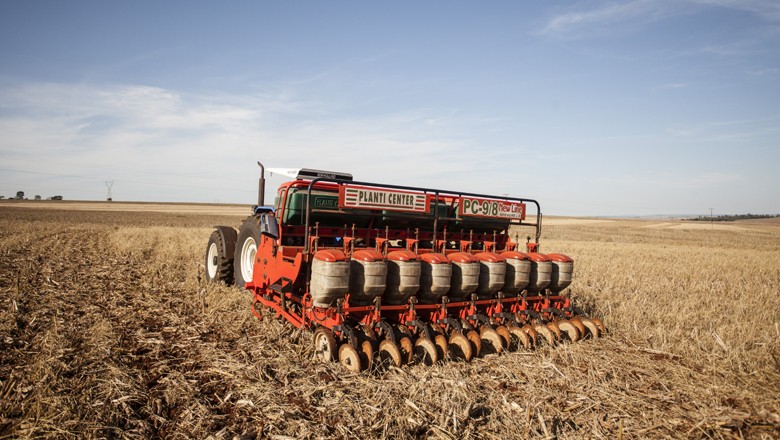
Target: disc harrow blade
x,y
425,351
533,335
476,342
545,334
593,328
370,335
407,349
441,347
520,338
366,355
569,329
460,346
491,340
389,354
556,331
600,325
577,321
506,337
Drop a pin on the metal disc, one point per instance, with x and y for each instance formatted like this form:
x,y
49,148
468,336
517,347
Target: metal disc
x,y
367,355
370,335
491,340
545,334
407,349
425,351
506,337
460,346
553,326
569,329
476,342
349,358
325,347
592,327
389,353
441,346
600,325
532,334
577,321
520,338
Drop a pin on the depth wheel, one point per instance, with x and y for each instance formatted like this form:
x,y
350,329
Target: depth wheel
x,y
521,337
592,327
491,340
506,337
325,347
389,354
349,358
570,330
425,351
460,346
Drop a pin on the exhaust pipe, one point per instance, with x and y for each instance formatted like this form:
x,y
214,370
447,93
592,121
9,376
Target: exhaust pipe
x,y
261,186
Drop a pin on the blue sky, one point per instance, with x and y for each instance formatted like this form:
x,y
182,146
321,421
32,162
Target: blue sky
x,y
593,107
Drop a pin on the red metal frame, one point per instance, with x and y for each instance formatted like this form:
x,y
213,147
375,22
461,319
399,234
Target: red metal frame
x,y
280,284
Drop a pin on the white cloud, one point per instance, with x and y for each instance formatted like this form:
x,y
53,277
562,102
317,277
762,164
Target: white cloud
x,y
766,9
600,17
568,24
734,131
672,86
155,141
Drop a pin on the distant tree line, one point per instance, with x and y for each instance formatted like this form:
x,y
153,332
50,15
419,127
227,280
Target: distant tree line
x,y
731,218
20,196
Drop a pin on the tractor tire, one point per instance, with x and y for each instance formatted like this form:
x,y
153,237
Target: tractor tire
x,y
246,249
218,268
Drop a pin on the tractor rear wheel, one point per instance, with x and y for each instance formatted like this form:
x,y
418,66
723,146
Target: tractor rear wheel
x,y
246,250
218,267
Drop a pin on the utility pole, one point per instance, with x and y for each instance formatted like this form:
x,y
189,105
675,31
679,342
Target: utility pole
x,y
109,184
712,225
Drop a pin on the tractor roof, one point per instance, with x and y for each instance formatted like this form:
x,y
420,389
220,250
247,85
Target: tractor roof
x,y
309,173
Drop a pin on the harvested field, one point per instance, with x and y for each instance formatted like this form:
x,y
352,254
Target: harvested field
x,y
108,330
176,208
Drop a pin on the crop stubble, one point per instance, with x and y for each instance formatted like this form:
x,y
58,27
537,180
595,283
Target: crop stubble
x,y
109,330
